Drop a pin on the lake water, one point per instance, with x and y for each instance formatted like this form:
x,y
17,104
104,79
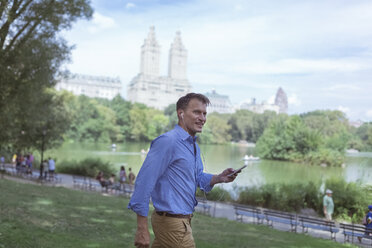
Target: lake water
x,y
358,166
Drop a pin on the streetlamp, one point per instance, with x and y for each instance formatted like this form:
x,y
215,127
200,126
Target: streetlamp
x,y
42,154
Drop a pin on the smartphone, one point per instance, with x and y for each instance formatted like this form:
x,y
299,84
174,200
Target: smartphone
x,y
237,171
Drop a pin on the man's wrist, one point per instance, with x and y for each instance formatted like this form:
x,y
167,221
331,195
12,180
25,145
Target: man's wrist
x,y
215,179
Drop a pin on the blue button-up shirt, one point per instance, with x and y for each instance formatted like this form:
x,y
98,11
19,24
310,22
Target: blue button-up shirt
x,y
170,175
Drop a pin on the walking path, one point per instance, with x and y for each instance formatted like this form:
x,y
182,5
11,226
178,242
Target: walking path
x,y
217,210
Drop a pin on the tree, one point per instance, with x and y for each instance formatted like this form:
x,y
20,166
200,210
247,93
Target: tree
x,y
31,53
44,124
288,139
216,130
139,122
171,112
122,108
157,125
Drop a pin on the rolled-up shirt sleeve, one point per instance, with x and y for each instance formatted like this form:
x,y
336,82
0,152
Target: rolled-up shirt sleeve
x,y
154,166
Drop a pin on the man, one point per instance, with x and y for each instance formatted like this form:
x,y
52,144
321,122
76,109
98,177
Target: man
x,y
328,205
170,175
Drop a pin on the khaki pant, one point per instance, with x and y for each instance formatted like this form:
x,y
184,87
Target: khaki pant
x,y
171,232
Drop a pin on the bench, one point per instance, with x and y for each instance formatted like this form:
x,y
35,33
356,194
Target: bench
x,y
95,184
127,189
318,224
249,211
80,182
203,204
355,230
281,217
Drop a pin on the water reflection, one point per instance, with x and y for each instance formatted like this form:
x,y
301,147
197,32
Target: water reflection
x,y
218,157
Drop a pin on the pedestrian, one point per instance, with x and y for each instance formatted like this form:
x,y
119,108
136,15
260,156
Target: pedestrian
x,y
170,175
101,179
31,160
28,165
122,175
2,162
367,221
52,168
131,177
328,205
46,168
14,159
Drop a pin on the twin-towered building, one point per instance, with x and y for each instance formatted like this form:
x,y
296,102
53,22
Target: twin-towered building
x,y
157,91
152,89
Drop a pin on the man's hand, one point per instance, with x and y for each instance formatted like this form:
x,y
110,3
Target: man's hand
x,y
142,239
224,177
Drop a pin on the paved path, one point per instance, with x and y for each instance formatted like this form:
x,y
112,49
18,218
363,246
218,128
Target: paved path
x,y
218,210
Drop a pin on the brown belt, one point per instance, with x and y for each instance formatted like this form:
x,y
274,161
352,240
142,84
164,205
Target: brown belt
x,y
183,216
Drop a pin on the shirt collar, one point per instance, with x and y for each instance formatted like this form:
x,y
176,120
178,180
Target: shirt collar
x,y
185,135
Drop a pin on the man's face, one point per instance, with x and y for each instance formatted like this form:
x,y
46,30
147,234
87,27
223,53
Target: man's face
x,y
194,116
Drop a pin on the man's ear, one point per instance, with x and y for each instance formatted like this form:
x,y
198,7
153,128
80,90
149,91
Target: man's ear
x,y
180,114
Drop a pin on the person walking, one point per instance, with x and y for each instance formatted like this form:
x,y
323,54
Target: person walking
x,y
2,162
131,177
367,221
170,175
52,168
328,205
122,176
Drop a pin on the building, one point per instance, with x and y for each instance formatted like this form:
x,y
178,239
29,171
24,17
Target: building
x,y
91,86
281,100
219,103
259,107
148,86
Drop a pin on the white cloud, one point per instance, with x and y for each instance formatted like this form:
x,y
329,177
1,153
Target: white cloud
x,y
288,66
294,100
343,87
346,110
271,100
101,22
238,7
130,5
369,113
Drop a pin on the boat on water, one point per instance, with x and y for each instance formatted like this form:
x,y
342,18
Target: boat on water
x,y
250,158
113,146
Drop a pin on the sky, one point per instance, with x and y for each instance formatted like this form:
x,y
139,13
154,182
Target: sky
x,y
318,51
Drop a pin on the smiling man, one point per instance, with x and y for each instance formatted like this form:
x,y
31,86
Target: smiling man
x,y
170,175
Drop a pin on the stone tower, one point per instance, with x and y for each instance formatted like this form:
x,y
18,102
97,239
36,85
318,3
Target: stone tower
x,y
150,55
281,100
151,88
177,68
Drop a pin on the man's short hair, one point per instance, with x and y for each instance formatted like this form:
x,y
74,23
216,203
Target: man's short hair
x,y
184,101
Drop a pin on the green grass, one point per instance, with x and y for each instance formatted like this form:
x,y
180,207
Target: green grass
x,y
40,216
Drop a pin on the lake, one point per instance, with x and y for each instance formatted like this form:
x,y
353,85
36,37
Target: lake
x,y
358,166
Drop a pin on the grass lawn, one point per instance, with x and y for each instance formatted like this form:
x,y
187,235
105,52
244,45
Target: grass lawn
x,y
39,216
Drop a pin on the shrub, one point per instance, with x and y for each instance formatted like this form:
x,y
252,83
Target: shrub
x,y
350,199
88,167
216,194
285,197
325,156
